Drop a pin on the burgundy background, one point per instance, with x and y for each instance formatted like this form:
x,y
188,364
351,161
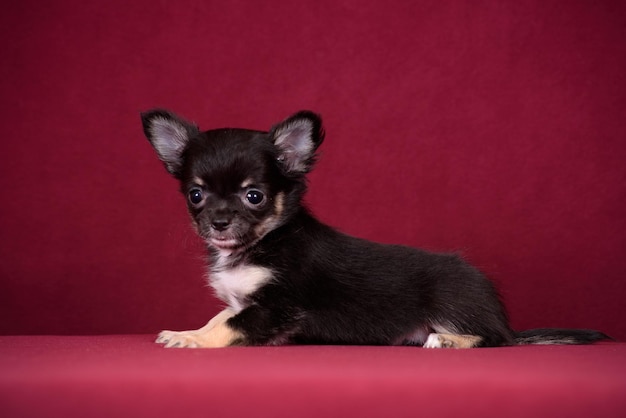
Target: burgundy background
x,y
492,128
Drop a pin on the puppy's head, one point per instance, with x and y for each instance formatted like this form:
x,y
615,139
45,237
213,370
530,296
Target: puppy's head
x,y
239,184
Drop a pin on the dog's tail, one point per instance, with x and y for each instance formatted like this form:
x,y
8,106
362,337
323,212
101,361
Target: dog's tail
x,y
560,336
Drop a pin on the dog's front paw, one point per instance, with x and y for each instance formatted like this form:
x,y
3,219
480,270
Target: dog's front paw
x,y
180,339
216,334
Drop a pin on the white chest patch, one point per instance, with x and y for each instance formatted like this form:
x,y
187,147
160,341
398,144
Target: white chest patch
x,y
234,284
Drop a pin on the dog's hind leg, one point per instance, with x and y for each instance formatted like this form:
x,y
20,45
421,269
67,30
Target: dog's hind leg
x,y
441,340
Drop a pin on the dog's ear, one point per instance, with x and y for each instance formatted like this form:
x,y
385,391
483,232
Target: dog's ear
x,y
297,138
168,134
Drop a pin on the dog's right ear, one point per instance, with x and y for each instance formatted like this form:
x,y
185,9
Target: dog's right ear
x,y
168,134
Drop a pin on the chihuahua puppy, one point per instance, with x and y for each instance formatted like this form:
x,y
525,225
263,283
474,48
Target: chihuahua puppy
x,y
287,278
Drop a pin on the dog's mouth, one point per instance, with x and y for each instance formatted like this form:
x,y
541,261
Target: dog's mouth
x,y
231,239
224,242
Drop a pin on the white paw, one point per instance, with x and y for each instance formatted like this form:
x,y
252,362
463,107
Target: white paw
x,y
433,341
180,339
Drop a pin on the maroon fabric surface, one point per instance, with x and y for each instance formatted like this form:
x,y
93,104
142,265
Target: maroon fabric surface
x,y
128,375
492,128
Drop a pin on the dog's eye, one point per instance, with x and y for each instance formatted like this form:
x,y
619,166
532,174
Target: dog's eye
x,y
195,196
255,197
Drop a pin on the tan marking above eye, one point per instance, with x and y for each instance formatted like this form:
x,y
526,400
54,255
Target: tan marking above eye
x,y
247,183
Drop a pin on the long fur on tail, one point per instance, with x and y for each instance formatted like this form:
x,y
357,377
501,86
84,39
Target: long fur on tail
x,y
560,336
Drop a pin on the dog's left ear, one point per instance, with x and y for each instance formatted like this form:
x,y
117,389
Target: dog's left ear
x,y
297,138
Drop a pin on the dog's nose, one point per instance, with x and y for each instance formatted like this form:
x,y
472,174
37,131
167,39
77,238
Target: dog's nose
x,y
220,224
